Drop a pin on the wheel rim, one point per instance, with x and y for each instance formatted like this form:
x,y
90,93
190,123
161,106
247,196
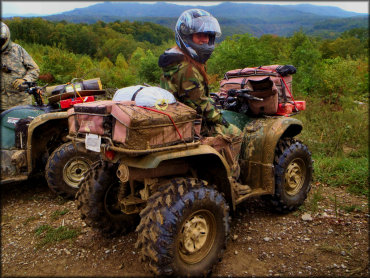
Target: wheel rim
x,y
74,170
295,175
197,236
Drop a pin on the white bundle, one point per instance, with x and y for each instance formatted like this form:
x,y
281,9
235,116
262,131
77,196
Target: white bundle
x,y
147,96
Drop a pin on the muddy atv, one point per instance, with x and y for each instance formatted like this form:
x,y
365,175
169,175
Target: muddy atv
x,y
33,141
183,193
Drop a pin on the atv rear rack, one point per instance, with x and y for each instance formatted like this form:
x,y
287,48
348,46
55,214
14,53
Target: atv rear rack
x,y
109,146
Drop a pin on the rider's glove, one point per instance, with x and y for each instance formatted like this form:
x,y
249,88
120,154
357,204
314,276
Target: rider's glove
x,y
18,82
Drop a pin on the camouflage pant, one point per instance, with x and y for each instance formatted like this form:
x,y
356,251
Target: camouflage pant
x,y
227,141
11,99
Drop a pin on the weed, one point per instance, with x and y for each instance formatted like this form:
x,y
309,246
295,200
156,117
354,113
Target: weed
x,y
60,200
30,219
58,213
315,199
48,235
351,208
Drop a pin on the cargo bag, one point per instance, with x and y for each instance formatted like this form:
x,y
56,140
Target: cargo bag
x,y
93,117
140,128
263,82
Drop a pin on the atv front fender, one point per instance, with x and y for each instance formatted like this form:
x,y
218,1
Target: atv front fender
x,y
39,121
258,150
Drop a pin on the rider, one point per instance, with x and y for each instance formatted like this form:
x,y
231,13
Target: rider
x,y
17,66
184,75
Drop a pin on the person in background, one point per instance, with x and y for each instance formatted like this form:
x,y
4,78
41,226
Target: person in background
x,y
17,66
184,75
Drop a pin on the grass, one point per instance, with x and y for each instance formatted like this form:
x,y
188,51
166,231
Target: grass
x,y
30,219
47,235
337,136
58,213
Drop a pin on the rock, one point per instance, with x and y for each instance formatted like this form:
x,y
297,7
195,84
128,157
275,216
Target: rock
x,y
307,239
267,239
236,252
343,253
249,238
235,237
306,217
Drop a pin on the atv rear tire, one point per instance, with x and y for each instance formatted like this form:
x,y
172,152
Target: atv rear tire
x,y
66,167
293,175
97,200
183,229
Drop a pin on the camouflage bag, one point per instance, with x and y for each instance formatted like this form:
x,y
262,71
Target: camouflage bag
x,y
141,128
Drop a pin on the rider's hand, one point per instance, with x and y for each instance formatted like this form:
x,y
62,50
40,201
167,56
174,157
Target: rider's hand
x,y
18,82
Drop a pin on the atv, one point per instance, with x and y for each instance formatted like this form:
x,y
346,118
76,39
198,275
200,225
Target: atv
x,y
182,194
33,141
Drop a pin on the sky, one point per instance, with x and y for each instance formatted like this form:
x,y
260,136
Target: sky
x,y
52,7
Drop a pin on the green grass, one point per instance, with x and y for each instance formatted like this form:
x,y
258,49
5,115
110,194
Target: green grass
x,y
58,213
337,136
47,235
343,171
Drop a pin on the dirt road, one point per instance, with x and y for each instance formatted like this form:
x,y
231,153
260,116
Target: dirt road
x,y
42,235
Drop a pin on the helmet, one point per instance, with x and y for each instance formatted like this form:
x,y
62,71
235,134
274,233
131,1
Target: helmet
x,y
196,21
5,36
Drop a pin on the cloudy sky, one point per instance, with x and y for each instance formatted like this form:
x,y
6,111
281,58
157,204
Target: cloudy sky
x,y
52,7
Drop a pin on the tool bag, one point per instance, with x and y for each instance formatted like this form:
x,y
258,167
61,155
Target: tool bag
x,y
263,82
140,128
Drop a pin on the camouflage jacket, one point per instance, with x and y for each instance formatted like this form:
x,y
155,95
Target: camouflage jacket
x,y
187,85
16,63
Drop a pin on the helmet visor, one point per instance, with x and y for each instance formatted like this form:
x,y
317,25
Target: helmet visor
x,y
203,24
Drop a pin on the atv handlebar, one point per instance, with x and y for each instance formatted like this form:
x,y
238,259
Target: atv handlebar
x,y
34,90
243,93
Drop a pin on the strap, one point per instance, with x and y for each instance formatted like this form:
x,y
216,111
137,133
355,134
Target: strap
x,y
134,95
283,91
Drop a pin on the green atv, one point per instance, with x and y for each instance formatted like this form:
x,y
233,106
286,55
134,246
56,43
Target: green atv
x,y
182,194
33,141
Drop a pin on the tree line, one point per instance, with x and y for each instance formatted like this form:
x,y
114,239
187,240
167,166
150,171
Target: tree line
x,y
126,53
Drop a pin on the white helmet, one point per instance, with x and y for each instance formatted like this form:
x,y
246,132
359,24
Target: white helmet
x,y
5,36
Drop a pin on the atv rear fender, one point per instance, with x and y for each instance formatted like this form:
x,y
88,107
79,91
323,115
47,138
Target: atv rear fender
x,y
258,150
208,164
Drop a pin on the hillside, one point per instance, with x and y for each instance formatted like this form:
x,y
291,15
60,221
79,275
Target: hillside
x,y
235,18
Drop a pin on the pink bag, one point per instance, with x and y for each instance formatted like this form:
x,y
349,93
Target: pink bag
x,y
93,117
263,82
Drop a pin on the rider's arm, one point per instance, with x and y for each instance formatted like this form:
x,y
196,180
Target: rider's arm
x,y
33,70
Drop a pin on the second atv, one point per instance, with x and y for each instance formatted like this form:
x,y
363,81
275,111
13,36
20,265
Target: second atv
x,y
33,140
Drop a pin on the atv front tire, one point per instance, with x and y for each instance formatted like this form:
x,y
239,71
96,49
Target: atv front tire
x,y
66,167
97,200
183,229
293,175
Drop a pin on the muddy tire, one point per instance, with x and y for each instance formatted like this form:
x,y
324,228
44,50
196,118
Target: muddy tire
x,y
66,167
293,175
97,200
183,229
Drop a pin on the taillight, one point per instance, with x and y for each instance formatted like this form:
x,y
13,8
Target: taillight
x,y
110,154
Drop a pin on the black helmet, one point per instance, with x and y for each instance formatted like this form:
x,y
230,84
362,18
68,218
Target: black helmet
x,y
5,36
197,21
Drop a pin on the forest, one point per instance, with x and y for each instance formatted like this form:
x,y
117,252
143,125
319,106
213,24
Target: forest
x,y
332,76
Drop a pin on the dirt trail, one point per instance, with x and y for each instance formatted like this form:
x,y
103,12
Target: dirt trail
x,y
328,236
